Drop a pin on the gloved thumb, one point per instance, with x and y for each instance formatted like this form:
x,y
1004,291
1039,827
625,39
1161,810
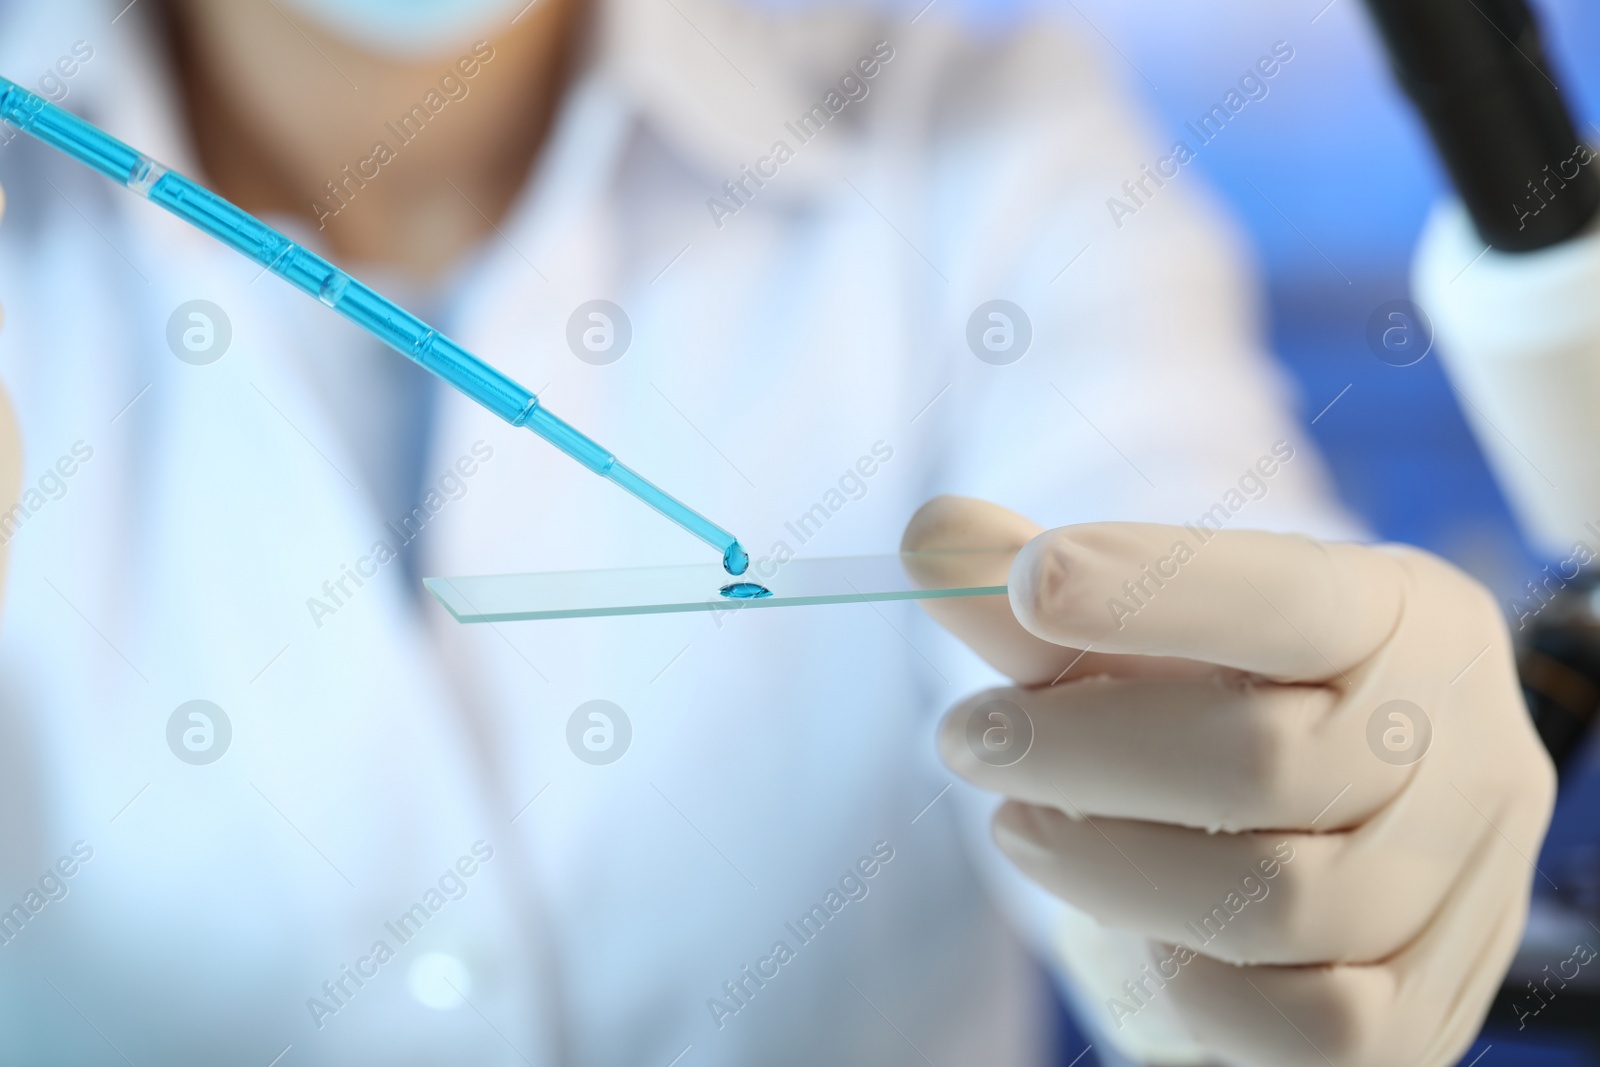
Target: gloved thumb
x,y
986,624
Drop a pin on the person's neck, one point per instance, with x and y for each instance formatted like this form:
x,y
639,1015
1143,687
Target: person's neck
x,y
280,109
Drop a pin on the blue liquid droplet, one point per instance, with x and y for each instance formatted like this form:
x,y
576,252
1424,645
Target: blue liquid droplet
x,y
736,560
744,591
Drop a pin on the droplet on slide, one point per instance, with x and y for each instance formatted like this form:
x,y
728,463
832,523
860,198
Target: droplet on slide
x,y
744,591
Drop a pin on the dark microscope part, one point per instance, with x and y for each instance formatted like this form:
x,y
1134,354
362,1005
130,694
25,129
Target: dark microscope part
x,y
1477,72
1559,662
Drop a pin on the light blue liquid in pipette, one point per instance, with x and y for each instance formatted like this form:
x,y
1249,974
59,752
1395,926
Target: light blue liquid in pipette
x,y
379,316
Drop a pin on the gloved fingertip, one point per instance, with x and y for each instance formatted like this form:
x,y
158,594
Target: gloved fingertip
x,y
1022,830
1041,585
948,522
951,739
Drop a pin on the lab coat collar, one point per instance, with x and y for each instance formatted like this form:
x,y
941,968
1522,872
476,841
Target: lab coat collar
x,y
718,81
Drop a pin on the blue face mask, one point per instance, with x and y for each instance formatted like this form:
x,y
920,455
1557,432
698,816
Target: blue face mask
x,y
411,28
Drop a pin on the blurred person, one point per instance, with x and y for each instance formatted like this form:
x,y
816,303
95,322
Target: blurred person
x,y
381,837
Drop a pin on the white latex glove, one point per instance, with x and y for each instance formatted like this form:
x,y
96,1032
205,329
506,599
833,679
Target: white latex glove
x,y
10,453
1215,754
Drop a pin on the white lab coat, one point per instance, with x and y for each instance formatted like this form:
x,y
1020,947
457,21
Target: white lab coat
x,y
373,747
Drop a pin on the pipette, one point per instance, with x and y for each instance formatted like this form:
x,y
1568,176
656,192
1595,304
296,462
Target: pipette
x,y
315,276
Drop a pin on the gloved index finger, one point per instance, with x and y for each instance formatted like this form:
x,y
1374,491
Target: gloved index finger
x,y
1280,605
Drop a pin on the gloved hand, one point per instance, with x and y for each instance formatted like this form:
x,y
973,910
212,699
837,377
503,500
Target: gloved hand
x,y
10,452
1203,747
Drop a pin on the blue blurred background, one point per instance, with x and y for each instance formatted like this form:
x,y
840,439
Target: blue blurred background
x,y
1350,178
1332,178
